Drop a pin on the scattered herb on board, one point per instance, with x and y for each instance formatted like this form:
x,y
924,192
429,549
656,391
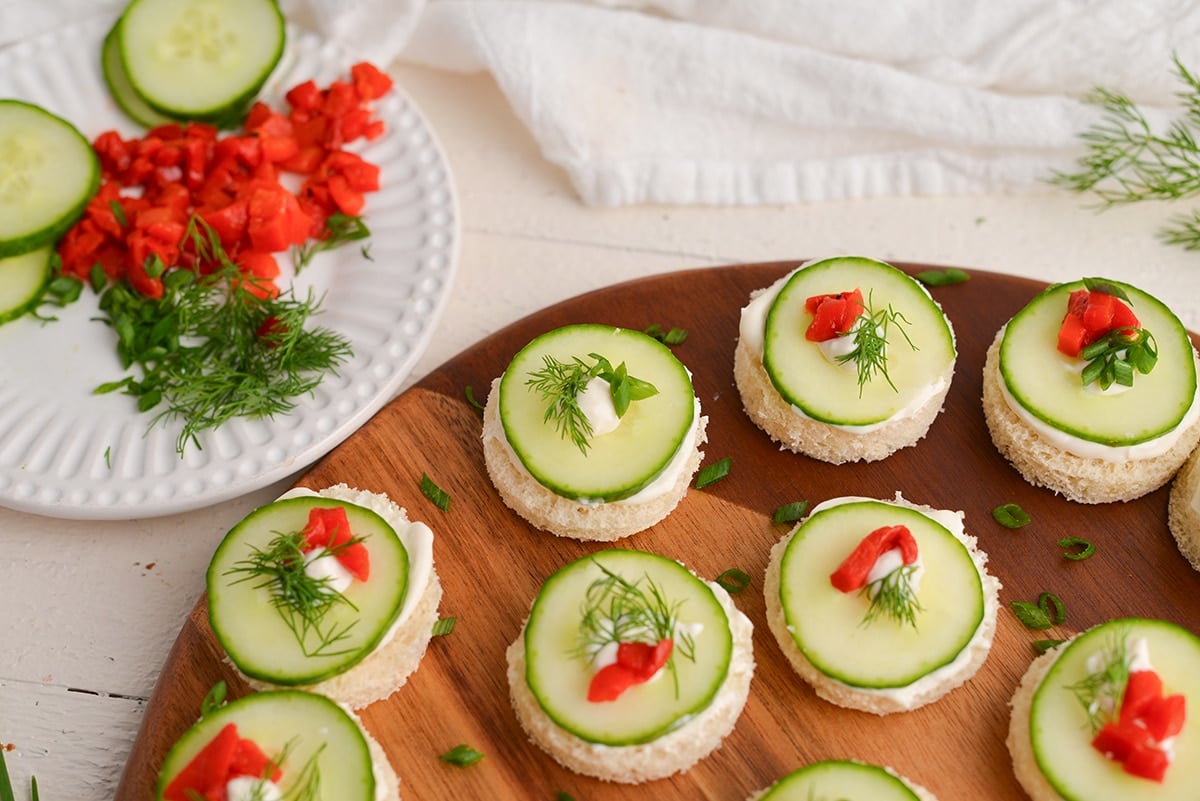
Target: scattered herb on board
x,y
947,277
1042,646
462,756
1127,160
444,626
671,336
1077,548
789,512
563,796
734,580
1048,611
711,474
213,699
469,392
439,497
1010,515
870,335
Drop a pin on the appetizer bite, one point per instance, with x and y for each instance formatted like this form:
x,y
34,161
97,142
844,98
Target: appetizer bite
x,y
275,745
881,606
1104,717
332,591
593,432
843,778
1090,391
844,359
1183,509
629,667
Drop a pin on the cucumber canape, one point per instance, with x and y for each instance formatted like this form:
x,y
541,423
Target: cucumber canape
x,y
48,173
23,281
202,60
844,359
1105,717
1090,390
843,779
273,745
629,667
881,606
334,592
593,432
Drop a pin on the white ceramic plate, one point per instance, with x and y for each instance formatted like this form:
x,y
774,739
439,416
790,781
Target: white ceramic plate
x,y
65,452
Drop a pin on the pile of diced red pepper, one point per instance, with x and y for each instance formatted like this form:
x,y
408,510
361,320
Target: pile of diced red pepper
x,y
1090,316
1145,720
154,185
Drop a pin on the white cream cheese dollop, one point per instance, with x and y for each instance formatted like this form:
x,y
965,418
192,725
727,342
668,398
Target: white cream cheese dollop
x,y
252,788
596,403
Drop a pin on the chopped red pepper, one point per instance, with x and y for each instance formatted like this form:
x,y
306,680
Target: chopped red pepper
x,y
852,574
637,662
1145,720
227,756
833,315
329,528
1091,315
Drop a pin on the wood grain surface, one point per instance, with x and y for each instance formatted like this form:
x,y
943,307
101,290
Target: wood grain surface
x,y
492,563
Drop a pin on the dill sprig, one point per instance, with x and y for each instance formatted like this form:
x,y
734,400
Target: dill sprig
x,y
1101,692
1128,161
302,601
616,610
560,383
892,596
870,332
339,229
211,350
307,785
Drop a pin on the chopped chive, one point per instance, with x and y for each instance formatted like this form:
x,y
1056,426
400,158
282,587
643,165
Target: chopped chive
x,y
462,756
713,473
1010,515
213,699
1042,646
440,498
734,580
1085,548
469,391
444,626
108,457
946,277
1031,615
119,212
6,789
97,278
1053,606
672,336
33,790
790,512
561,796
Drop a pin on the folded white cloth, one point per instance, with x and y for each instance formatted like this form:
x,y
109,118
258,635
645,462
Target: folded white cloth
x,y
774,101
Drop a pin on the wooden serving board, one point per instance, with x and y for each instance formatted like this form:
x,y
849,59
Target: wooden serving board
x,y
492,563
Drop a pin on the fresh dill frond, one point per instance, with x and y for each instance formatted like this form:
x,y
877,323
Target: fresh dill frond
x,y
892,596
1101,692
870,332
339,230
302,601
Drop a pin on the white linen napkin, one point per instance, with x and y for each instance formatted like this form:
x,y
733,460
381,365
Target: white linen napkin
x,y
772,101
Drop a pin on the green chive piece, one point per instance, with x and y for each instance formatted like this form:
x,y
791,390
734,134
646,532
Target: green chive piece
x,y
1053,606
734,580
213,699
1077,548
713,473
1031,615
444,626
561,796
790,512
440,498
672,336
1042,646
1010,515
946,277
469,391
6,789
33,789
462,756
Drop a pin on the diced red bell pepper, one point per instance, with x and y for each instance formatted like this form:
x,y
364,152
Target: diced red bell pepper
x,y
636,663
1090,316
1146,718
209,769
369,81
852,573
833,315
305,96
328,527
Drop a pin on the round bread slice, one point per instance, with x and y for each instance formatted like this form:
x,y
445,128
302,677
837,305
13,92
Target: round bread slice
x,y
1077,478
834,444
672,753
1020,747
386,669
1183,509
920,792
565,517
928,688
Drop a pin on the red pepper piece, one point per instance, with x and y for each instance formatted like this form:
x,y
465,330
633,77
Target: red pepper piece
x,y
249,760
833,315
369,82
1147,762
637,662
329,528
1090,316
208,771
852,574
1165,717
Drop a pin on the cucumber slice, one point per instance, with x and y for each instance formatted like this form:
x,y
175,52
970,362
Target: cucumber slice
x,y
250,627
203,60
826,624
1059,730
23,281
559,679
830,392
313,733
118,83
617,464
48,173
840,779
1041,380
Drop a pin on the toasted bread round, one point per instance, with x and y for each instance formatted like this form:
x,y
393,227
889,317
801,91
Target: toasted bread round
x,y
565,517
1020,747
1183,509
1077,478
672,753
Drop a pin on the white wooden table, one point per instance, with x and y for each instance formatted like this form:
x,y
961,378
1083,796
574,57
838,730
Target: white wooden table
x,y
88,611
